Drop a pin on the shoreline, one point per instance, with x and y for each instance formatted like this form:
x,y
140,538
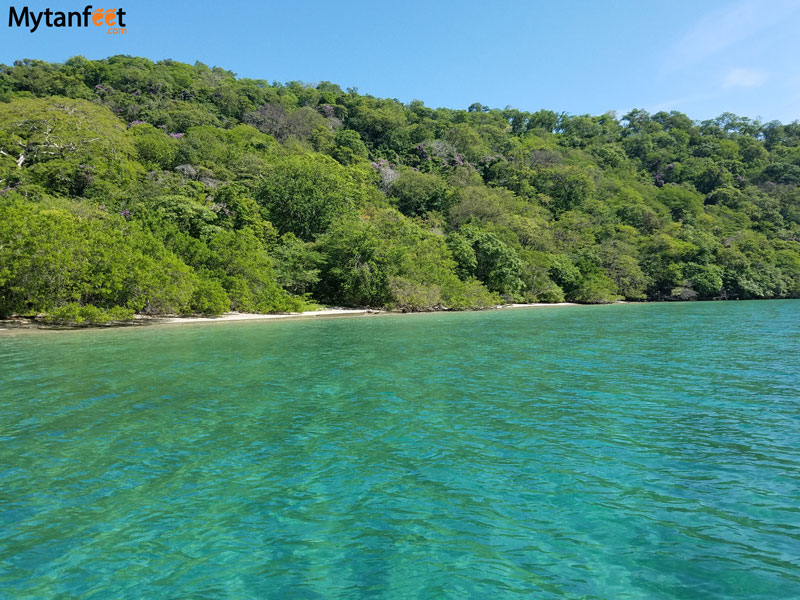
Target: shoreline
x,y
237,316
332,312
146,321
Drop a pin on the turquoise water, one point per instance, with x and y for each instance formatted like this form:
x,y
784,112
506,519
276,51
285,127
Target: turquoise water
x,y
626,451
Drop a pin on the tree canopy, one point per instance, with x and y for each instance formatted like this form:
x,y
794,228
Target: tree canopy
x,y
128,185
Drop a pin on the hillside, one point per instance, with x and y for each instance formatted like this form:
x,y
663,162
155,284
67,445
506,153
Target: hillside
x,y
166,188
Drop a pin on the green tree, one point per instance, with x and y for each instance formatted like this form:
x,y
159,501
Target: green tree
x,y
417,193
56,254
64,145
482,255
384,259
304,194
297,264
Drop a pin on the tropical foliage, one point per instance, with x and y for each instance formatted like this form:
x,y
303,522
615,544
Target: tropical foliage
x,y
161,188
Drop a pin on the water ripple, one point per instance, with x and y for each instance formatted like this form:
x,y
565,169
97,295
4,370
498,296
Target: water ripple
x,y
632,452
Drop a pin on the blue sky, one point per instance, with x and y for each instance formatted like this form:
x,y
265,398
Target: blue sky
x,y
702,58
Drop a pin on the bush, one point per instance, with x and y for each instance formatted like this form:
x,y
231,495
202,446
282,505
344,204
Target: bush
x,y
412,296
209,298
596,288
468,294
87,314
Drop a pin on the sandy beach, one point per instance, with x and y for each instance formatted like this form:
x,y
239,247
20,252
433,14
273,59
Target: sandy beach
x,y
17,324
236,316
325,312
538,305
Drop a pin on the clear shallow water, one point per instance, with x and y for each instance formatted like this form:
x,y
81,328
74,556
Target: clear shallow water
x,y
628,451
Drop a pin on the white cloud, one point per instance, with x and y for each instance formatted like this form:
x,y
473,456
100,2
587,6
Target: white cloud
x,y
744,78
722,29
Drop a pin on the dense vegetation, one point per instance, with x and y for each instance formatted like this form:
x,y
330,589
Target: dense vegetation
x,y
128,185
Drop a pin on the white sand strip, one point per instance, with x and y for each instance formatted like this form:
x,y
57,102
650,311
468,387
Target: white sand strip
x,y
538,305
326,312
234,316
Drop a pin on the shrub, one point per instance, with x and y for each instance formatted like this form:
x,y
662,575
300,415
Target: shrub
x,y
87,314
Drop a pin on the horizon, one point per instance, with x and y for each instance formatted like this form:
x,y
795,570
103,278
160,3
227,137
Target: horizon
x,y
726,58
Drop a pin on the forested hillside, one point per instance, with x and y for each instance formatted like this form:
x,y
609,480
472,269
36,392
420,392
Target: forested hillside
x,y
132,186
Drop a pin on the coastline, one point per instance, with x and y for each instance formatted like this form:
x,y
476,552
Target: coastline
x,y
146,321
237,316
325,312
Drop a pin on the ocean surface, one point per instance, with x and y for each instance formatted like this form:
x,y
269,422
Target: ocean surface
x,y
644,451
